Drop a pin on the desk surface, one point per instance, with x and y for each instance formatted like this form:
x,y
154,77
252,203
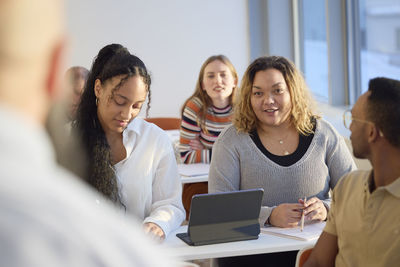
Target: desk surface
x,y
194,179
193,173
264,244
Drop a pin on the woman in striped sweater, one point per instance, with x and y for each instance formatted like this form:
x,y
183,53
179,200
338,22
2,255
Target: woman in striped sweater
x,y
204,115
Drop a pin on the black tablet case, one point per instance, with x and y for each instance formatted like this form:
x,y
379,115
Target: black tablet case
x,y
223,217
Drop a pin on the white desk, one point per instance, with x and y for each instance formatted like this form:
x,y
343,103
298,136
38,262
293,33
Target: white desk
x,y
264,244
194,173
194,179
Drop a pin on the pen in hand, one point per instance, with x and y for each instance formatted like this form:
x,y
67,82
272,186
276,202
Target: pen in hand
x,y
302,217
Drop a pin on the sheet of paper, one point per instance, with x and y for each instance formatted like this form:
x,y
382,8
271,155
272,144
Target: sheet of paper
x,y
195,169
173,135
310,231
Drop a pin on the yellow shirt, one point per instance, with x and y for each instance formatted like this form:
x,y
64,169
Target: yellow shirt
x,y
367,224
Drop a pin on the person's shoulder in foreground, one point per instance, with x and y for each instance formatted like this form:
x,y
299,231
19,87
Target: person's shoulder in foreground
x,y
60,223
362,227
50,218
47,216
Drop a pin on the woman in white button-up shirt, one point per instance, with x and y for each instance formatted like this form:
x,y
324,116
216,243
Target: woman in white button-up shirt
x,y
131,161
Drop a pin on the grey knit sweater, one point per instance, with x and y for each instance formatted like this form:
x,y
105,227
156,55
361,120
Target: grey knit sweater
x,y
238,164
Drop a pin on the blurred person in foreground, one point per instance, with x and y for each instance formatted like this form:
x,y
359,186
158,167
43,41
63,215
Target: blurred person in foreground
x,y
363,226
48,216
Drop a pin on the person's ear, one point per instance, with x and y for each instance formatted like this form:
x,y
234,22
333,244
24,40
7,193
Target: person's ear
x,y
97,88
373,133
53,84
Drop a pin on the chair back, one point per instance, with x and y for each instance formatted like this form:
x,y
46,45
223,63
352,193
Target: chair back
x,y
166,123
303,255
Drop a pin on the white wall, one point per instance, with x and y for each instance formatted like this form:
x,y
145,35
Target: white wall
x,y
172,37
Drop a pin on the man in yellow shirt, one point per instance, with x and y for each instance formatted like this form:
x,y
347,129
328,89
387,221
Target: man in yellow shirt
x,y
363,227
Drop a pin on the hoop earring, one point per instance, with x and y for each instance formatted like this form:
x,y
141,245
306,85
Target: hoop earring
x,y
97,101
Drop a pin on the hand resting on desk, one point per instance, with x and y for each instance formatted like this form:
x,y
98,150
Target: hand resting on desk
x,y
154,231
289,214
286,215
314,209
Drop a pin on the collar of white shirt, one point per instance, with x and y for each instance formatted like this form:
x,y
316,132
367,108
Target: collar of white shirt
x,y
131,134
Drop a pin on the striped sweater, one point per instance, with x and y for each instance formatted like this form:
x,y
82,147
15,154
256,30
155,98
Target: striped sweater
x,y
216,120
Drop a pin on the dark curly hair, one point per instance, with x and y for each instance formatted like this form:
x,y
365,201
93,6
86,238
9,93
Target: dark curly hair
x,y
112,60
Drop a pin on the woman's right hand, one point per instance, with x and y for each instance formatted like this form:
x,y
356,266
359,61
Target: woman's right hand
x,y
196,145
286,215
154,231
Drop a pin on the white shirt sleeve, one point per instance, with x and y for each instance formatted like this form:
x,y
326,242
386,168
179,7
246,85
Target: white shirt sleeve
x,y
166,209
148,178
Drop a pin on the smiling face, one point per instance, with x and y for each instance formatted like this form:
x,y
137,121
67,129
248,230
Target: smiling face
x,y
117,107
218,82
270,98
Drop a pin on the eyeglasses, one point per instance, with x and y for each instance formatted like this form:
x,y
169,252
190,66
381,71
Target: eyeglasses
x,y
348,119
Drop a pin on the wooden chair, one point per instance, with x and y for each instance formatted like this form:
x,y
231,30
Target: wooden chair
x,y
166,123
302,256
169,123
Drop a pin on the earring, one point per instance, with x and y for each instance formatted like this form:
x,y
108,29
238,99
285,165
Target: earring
x,y
97,101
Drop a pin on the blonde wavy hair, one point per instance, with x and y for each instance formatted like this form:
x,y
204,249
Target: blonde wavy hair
x,y
302,111
202,94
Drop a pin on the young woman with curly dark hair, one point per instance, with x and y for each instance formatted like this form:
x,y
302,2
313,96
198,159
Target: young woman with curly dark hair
x,y
130,161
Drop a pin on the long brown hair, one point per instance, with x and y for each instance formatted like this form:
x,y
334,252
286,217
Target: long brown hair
x,y
200,93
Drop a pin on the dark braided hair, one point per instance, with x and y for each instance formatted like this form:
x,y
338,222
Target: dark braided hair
x,y
112,60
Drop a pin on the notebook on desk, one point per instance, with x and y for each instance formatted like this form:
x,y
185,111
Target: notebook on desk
x,y
311,231
223,217
194,169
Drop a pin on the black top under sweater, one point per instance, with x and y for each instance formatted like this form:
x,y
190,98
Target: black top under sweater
x,y
287,160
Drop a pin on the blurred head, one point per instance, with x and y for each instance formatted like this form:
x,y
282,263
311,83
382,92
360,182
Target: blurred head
x,y
273,92
31,49
75,79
